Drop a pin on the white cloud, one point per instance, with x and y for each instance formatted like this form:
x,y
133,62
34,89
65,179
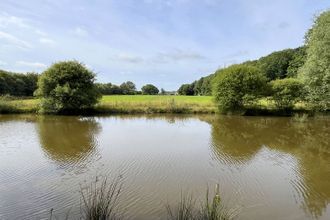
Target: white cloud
x,y
31,64
6,20
177,55
12,40
127,58
80,32
47,41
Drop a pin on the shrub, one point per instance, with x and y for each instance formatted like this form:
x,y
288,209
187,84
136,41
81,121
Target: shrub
x,y
237,86
149,89
287,92
100,200
67,87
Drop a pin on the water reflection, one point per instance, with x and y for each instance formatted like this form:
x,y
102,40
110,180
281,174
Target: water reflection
x,y
68,140
237,140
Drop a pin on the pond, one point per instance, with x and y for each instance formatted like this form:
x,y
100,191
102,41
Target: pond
x,y
267,167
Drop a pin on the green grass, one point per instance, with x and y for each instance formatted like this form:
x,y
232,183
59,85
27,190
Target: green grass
x,y
149,104
128,104
155,104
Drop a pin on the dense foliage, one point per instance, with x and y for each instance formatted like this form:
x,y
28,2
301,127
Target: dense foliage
x,y
287,92
203,86
67,87
186,89
277,65
237,86
149,89
17,84
316,70
128,88
109,89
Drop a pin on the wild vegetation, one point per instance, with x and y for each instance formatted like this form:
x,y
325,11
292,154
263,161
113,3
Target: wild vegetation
x,y
238,86
67,87
101,201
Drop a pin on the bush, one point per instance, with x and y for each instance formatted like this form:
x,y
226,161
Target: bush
x,y
287,92
67,87
149,89
237,86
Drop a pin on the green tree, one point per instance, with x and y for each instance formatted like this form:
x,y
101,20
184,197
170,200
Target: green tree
x,y
287,92
298,60
162,91
276,64
149,89
18,84
237,86
316,70
186,89
67,87
128,88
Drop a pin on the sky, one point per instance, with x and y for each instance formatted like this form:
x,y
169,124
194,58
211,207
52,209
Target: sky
x,y
163,42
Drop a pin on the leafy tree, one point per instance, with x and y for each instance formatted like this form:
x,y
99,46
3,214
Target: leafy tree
x,y
128,88
237,86
67,87
18,84
316,70
109,89
186,89
287,92
150,89
298,60
276,64
162,91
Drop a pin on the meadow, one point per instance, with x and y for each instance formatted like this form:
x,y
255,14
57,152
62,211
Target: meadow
x,y
126,104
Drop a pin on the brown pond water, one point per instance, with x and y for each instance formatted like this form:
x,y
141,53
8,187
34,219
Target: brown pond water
x,y
268,167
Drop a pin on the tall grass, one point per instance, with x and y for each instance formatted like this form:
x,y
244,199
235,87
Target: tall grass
x,y
100,200
184,210
210,209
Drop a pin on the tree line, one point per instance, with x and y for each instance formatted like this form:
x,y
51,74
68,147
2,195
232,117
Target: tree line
x,y
20,84
17,84
277,65
286,77
127,88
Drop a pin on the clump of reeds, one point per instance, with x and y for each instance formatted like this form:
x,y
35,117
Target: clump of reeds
x,y
185,209
214,209
99,201
211,209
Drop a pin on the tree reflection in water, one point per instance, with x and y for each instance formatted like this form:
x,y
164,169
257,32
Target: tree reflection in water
x,y
239,139
68,140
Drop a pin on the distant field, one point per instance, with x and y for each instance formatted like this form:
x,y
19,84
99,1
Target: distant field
x,y
156,104
143,104
134,104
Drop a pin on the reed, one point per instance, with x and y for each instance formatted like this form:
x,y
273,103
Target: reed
x,y
211,209
99,200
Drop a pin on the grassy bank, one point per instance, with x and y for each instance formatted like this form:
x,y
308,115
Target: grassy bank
x,y
156,104
150,104
127,104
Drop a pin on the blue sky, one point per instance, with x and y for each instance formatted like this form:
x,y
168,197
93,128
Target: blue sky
x,y
164,42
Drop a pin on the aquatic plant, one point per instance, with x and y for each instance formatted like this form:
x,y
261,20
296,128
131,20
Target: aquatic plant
x,y
184,210
211,209
100,200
